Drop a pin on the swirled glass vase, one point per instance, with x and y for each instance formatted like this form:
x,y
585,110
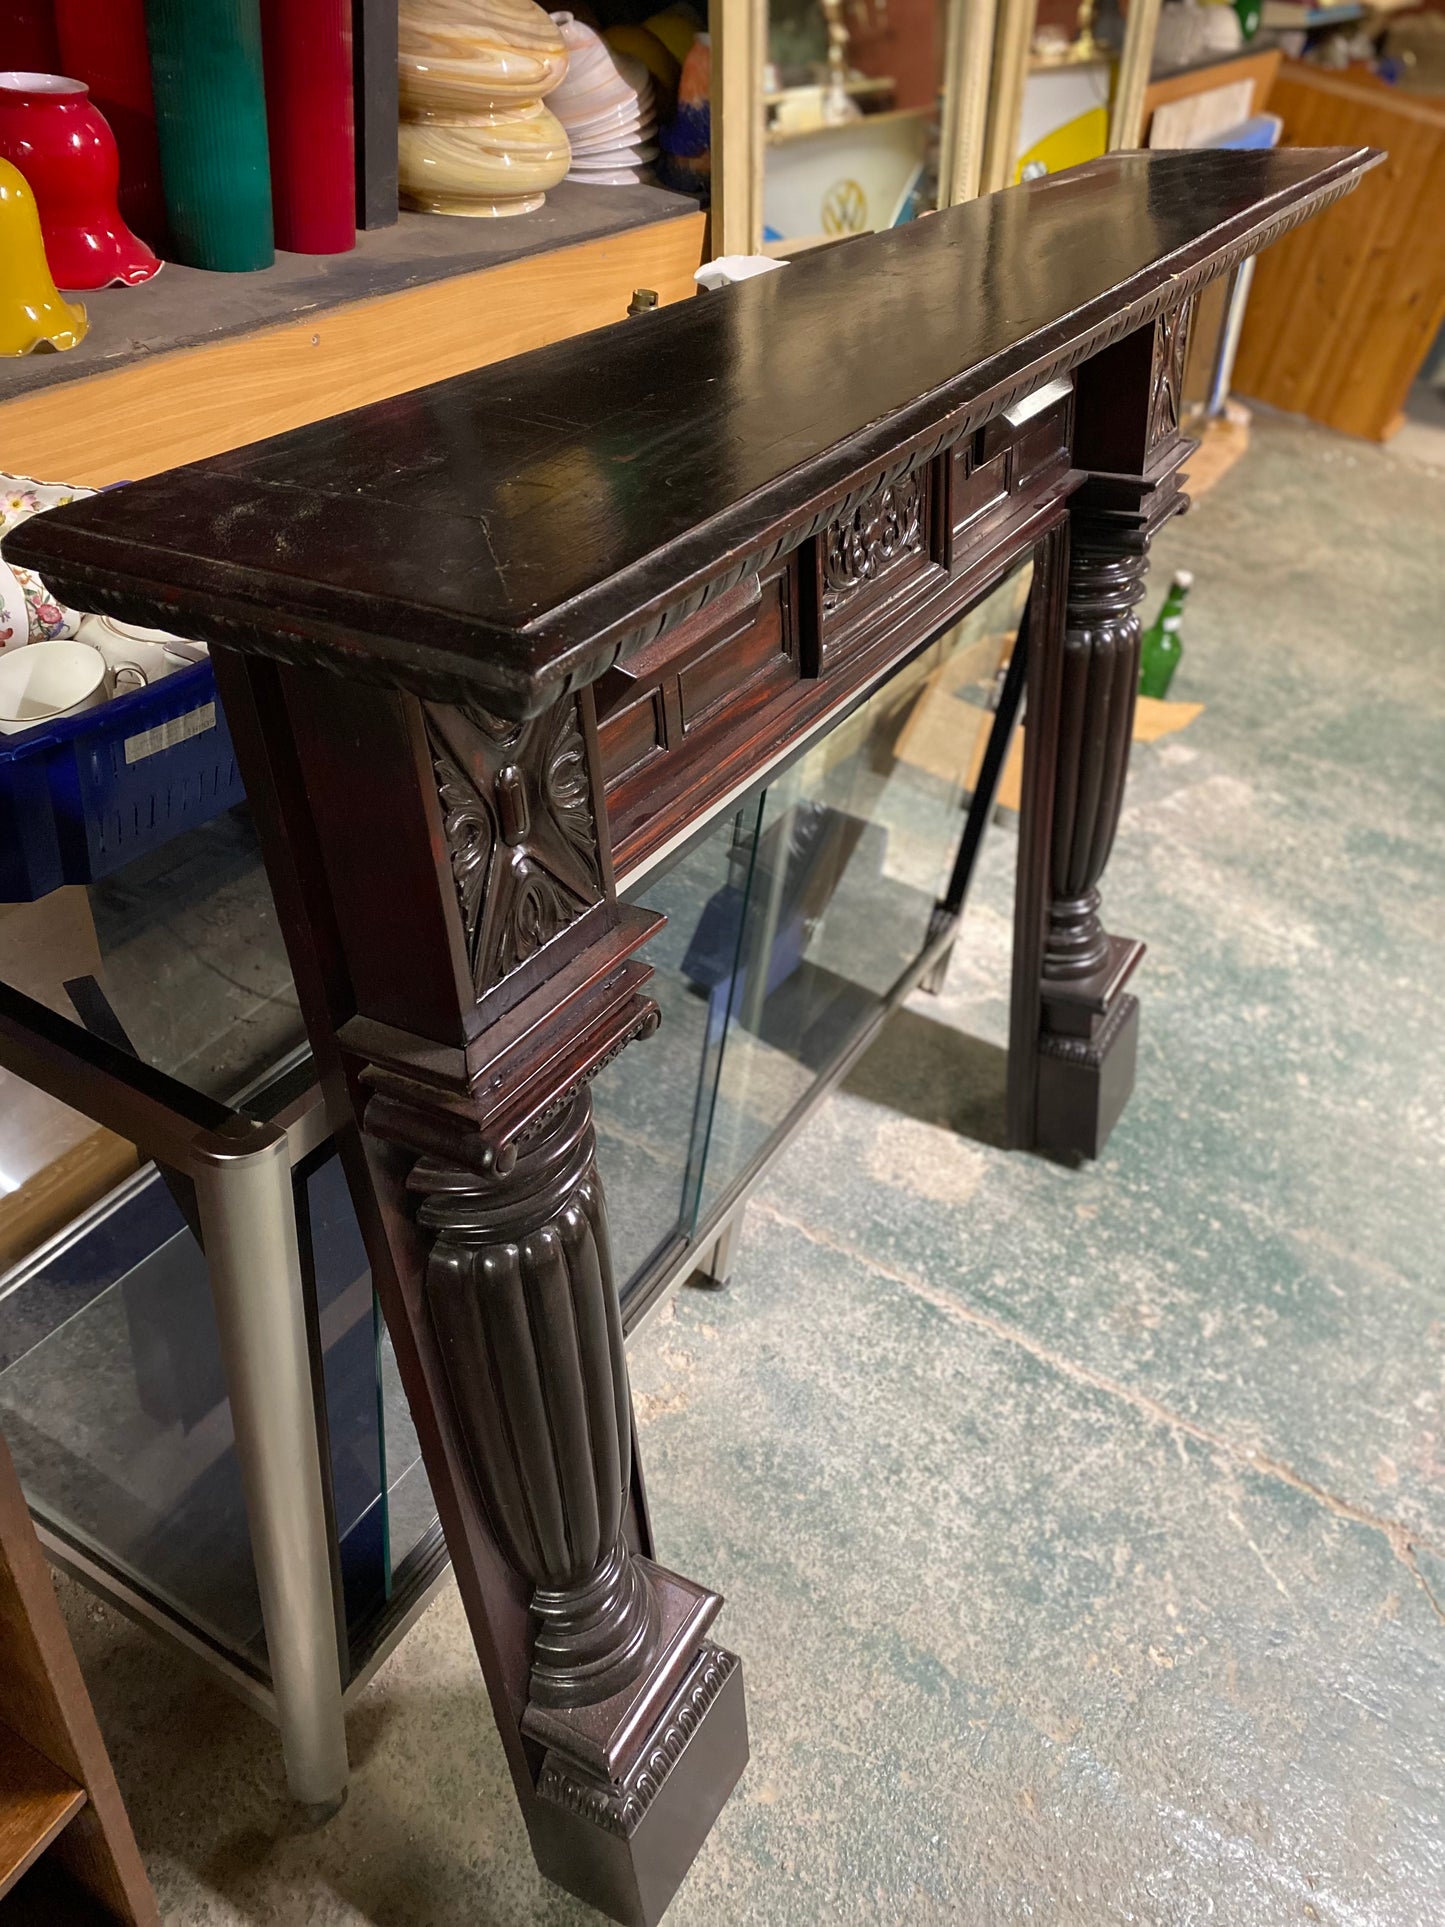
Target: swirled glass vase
x,y
475,137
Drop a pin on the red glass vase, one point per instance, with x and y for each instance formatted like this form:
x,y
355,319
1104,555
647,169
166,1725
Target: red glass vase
x,y
60,142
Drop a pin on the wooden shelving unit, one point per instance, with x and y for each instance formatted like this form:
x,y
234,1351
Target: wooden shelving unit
x,y
67,1854
1342,314
192,364
37,1801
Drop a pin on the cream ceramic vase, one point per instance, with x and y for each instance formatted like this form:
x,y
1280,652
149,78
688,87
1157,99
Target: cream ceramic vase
x,y
475,137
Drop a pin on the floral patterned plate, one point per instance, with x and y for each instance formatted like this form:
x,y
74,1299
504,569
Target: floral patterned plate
x,y
46,619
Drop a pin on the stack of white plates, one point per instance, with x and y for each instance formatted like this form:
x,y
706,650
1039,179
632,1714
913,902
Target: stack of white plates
x,y
606,104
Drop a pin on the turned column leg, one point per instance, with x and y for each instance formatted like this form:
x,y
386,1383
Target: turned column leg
x,y
1089,1022
642,1717
446,890
1074,1026
519,1288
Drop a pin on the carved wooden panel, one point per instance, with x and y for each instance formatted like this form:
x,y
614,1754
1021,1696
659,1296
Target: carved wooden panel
x,y
1166,382
517,815
886,548
647,704
738,737
1004,461
860,547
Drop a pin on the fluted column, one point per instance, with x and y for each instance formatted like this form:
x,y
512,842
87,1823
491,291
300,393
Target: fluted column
x,y
1088,1022
1074,1028
445,880
520,1290
1100,677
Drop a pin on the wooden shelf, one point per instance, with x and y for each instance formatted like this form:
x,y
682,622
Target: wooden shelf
x,y
66,1849
192,364
37,1801
1258,66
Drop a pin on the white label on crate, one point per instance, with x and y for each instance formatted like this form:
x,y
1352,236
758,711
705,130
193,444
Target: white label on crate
x,y
180,729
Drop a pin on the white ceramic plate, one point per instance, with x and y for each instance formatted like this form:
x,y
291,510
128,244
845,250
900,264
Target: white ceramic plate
x,y
624,177
617,157
608,143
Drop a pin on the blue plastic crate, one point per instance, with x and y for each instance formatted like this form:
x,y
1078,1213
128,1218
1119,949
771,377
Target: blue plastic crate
x,y
81,797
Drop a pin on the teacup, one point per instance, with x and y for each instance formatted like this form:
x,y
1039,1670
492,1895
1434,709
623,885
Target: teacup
x,y
48,680
125,645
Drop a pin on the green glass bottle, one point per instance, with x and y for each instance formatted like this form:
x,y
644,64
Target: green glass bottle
x,y
1161,648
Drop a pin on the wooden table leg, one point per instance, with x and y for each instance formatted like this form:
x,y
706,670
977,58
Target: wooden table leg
x,y
446,890
1075,1028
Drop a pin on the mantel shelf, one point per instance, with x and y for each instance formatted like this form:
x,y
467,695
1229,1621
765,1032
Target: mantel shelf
x,y
515,530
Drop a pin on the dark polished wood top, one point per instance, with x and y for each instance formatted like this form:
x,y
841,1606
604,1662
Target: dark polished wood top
x,y
506,533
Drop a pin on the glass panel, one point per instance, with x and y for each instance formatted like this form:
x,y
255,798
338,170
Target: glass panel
x,y
651,1105
335,1259
410,1508
853,98
854,850
185,945
182,951
114,1404
789,924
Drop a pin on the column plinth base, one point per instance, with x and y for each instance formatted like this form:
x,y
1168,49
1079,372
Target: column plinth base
x,y
629,1789
1085,1081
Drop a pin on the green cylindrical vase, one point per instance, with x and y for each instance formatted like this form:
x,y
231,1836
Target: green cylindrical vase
x,y
210,97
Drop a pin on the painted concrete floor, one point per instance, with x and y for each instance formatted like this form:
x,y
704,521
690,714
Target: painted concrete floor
x,y
1083,1531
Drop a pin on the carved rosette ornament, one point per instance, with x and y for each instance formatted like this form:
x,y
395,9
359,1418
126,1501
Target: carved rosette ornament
x,y
1166,384
517,815
860,546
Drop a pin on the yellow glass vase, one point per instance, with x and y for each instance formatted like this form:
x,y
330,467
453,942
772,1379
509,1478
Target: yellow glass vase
x,y
33,312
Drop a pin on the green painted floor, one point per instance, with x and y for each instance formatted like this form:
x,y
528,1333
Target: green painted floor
x,y
1083,1532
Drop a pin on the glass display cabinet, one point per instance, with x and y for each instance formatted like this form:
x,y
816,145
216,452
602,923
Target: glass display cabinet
x,y
795,921
843,117
853,96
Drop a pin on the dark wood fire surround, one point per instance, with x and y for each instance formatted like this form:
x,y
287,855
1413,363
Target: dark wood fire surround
x,y
488,645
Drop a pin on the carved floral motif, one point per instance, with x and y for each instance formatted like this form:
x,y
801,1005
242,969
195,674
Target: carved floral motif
x,y
861,545
1166,383
517,816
